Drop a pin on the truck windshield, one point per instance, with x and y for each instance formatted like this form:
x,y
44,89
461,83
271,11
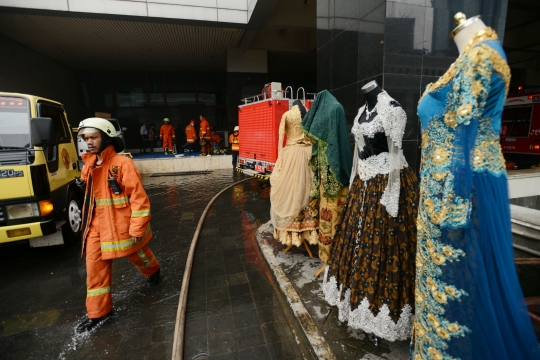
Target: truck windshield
x,y
14,122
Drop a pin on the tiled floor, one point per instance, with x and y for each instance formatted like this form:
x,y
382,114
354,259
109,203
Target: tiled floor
x,y
233,312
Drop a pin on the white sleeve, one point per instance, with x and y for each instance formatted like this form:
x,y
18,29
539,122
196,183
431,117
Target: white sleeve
x,y
394,126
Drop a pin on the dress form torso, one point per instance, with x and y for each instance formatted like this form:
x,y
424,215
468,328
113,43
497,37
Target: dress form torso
x,y
376,144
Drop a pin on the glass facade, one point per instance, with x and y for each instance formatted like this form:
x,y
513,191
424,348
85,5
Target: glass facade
x,y
136,97
403,44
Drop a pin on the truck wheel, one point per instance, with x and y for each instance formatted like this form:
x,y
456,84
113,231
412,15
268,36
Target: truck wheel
x,y
71,229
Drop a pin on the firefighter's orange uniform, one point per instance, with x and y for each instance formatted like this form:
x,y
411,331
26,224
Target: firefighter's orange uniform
x,y
215,139
110,223
166,133
191,134
206,134
234,140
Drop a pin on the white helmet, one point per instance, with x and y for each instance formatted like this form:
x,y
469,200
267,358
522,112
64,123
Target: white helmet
x,y
236,128
95,124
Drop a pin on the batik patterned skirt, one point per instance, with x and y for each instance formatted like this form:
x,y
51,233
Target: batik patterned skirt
x,y
371,271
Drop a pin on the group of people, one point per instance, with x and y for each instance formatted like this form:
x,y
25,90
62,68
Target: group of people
x,y
426,258
208,141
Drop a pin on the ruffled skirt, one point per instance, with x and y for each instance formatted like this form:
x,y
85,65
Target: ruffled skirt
x,y
371,270
294,216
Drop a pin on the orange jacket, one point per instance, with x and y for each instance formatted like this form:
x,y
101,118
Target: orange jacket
x,y
235,142
204,131
216,138
191,134
120,216
166,130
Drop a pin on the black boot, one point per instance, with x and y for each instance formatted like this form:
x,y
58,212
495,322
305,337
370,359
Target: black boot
x,y
154,279
89,324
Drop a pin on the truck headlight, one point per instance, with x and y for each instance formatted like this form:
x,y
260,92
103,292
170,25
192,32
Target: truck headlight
x,y
20,211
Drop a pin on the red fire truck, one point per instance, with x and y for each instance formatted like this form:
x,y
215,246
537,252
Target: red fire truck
x,y
259,118
520,132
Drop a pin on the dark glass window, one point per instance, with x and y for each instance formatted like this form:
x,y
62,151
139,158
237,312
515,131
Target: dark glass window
x,y
155,89
94,89
56,113
209,87
130,89
180,89
516,121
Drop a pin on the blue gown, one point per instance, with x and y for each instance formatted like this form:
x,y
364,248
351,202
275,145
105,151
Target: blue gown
x,y
468,301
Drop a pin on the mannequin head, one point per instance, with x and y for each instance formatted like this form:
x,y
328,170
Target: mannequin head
x,y
301,107
370,92
465,30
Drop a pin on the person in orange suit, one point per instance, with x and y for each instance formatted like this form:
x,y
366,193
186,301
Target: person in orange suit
x,y
234,140
205,134
191,136
166,134
116,218
216,139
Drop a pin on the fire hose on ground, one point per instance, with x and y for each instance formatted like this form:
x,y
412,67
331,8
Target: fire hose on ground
x,y
179,328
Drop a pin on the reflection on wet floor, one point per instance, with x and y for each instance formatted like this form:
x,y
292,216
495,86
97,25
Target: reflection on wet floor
x,y
233,312
43,290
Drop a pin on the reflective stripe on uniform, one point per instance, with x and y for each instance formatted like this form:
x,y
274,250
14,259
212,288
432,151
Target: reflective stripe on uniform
x,y
120,245
98,291
115,201
144,258
140,213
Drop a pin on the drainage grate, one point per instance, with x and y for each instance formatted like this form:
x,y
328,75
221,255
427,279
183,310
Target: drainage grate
x,y
181,173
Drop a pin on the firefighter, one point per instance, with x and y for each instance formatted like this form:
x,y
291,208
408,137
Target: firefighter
x,y
234,140
216,139
205,134
166,134
191,136
116,218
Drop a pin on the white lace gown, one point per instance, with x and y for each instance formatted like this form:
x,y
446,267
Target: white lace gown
x,y
371,270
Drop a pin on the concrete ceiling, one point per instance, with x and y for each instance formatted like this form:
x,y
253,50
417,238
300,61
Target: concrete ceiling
x,y
123,43
110,44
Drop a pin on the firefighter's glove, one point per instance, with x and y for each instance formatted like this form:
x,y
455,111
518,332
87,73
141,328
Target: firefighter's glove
x,y
80,183
136,239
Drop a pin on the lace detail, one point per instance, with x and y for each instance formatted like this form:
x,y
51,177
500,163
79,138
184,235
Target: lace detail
x,y
446,200
390,198
362,318
390,119
377,164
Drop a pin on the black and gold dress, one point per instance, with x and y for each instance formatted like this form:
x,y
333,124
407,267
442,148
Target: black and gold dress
x,y
371,269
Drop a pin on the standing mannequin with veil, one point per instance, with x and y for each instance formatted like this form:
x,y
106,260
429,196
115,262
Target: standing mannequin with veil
x,y
370,273
293,215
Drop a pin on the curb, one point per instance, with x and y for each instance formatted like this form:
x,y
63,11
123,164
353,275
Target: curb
x,y
317,341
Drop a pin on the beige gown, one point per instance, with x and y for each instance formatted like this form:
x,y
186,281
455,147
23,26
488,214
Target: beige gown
x,y
294,215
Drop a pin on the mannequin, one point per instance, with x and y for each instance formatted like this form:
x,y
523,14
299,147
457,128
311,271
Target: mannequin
x,y
466,29
370,272
292,213
378,143
370,92
469,303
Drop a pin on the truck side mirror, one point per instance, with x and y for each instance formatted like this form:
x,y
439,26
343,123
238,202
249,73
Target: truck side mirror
x,y
43,133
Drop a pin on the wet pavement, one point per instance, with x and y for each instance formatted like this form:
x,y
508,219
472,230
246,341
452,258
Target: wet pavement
x,y
298,273
43,290
234,311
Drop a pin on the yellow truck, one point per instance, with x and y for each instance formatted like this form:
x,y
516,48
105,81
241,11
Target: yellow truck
x,y
39,200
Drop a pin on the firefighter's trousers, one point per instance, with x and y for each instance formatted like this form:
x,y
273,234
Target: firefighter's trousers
x,y
168,142
206,148
99,274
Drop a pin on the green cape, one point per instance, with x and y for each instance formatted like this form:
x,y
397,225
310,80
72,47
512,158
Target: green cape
x,y
331,160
